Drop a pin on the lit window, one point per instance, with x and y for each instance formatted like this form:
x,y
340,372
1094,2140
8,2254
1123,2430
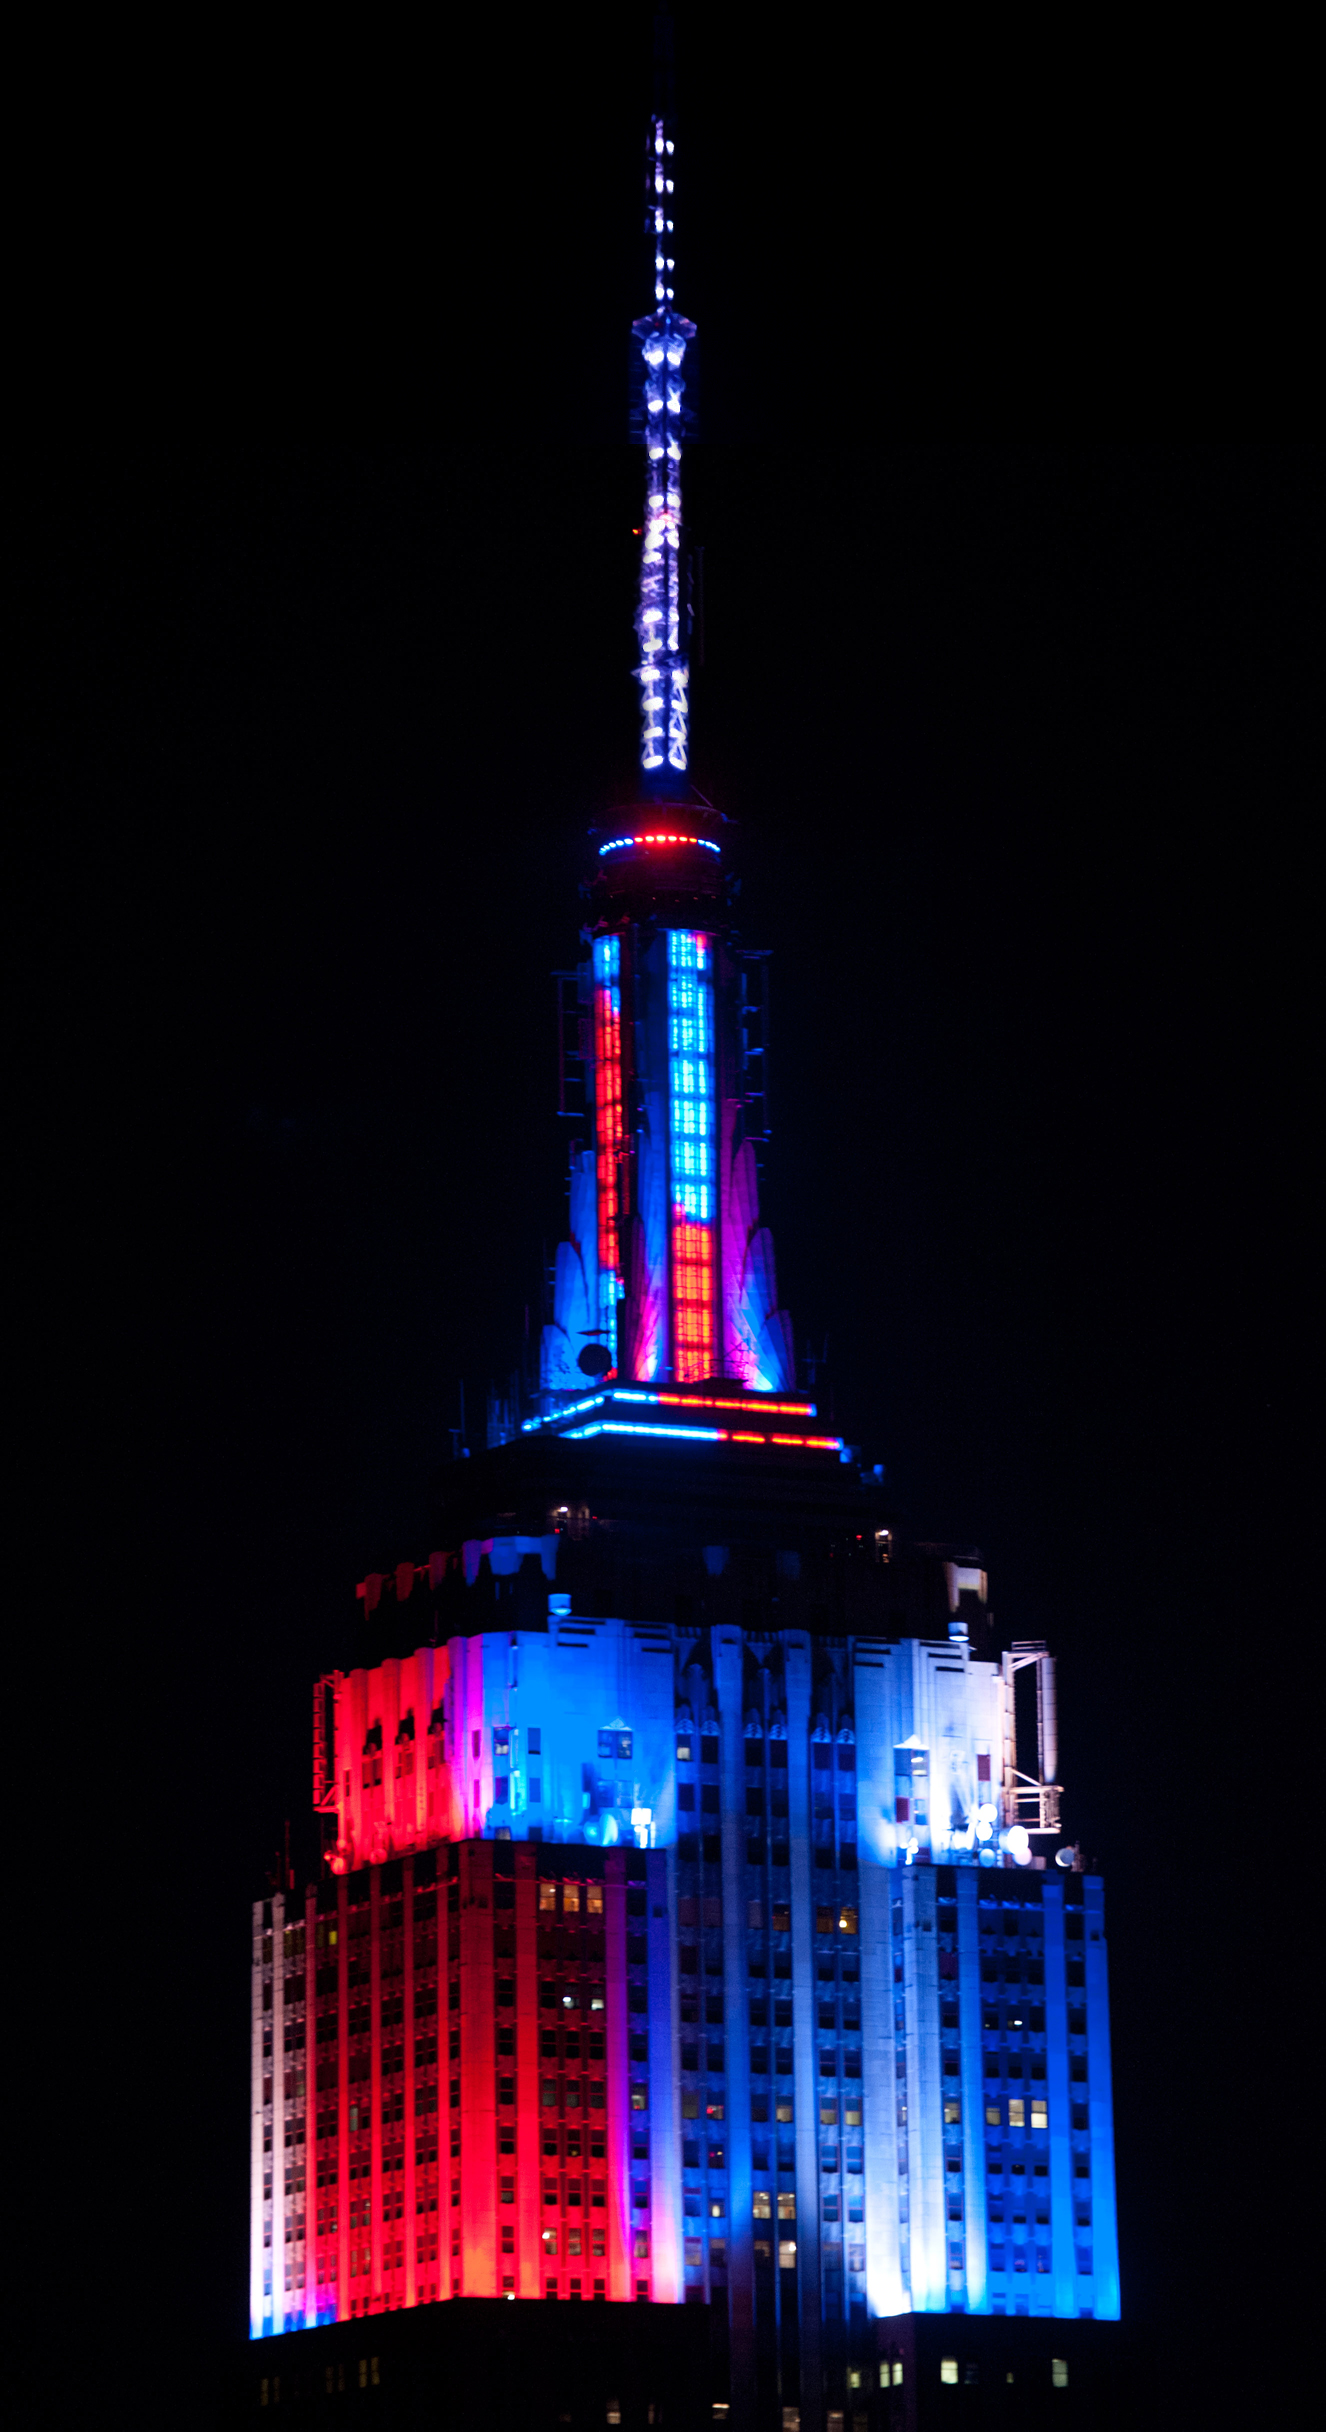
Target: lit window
x,y
992,2115
783,2111
948,2368
787,2208
1017,2110
847,1921
1040,2117
594,1897
548,1895
787,2254
570,1899
639,2098
1059,2372
952,2114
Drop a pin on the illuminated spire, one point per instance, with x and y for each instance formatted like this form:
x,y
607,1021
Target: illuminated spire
x,y
662,618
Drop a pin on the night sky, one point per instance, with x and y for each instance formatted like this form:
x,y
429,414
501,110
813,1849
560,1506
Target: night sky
x,y
1018,741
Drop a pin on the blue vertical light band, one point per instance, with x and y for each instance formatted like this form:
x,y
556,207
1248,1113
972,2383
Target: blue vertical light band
x,y
691,1153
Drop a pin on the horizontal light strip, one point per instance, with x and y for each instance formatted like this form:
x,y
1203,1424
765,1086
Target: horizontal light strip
x,y
634,1427
700,1435
620,843
712,1401
756,1407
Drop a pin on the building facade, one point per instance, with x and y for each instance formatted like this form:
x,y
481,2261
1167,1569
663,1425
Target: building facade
x,y
696,1925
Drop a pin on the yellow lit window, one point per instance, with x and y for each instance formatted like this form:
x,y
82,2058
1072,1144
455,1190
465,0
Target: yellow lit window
x,y
1017,2112
547,1895
952,2114
594,1899
992,2115
761,2204
783,2111
787,2254
1059,2372
948,2368
847,1920
787,2208
570,1898
1040,2117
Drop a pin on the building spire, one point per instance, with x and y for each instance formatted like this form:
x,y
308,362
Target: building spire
x,y
662,620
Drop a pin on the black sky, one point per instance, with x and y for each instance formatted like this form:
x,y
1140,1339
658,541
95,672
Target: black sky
x,y
1021,741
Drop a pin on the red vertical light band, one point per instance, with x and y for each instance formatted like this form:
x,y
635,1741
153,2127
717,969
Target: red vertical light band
x,y
692,1299
608,1131
691,1153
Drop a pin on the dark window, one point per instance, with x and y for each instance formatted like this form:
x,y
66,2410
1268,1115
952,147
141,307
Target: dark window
x,y
709,1798
686,1795
778,1754
614,1744
709,1751
534,1741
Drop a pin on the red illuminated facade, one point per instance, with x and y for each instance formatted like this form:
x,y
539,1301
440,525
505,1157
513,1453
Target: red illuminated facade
x,y
445,2046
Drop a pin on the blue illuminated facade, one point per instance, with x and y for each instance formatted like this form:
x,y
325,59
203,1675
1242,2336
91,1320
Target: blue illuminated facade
x,y
906,2044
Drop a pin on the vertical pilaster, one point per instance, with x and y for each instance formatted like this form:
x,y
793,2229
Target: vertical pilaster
x,y
665,2231
796,1651
1062,2258
342,2101
973,2090
529,2254
728,1655
307,2078
375,2077
256,2108
411,2223
925,2114
280,2117
617,2045
880,2090
478,2091
1104,2219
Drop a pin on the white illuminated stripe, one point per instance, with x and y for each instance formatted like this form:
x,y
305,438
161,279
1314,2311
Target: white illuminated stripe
x,y
628,1427
663,342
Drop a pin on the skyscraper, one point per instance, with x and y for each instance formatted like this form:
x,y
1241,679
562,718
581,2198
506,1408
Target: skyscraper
x,y
696,1927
